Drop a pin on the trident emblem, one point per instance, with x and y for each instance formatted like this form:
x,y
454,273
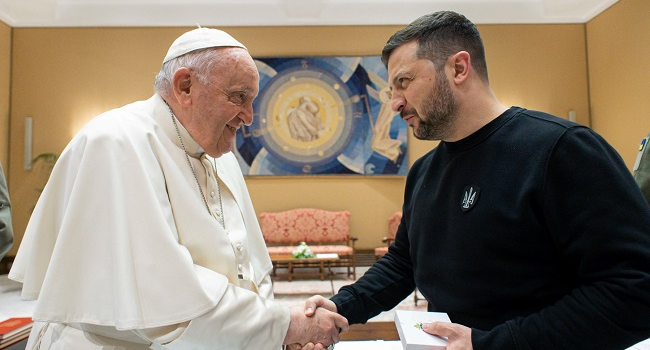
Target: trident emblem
x,y
470,196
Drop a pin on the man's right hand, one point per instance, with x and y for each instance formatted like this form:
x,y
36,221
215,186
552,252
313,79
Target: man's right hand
x,y
321,327
311,305
317,301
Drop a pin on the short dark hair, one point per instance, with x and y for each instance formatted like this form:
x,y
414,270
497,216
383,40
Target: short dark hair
x,y
440,35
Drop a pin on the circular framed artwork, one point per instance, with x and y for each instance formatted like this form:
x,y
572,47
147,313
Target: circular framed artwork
x,y
320,115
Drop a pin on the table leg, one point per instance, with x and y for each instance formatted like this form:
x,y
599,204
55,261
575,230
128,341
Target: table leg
x,y
290,269
331,273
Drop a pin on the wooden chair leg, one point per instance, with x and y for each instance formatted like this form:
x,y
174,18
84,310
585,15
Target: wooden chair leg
x,y
415,296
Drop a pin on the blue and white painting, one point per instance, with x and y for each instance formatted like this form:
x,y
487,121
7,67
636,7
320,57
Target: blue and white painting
x,y
323,116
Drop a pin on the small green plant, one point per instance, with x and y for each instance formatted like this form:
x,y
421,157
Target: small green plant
x,y
302,252
47,159
44,162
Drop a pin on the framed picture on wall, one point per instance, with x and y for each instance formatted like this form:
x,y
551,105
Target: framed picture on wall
x,y
323,116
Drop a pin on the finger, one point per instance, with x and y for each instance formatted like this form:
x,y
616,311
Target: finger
x,y
443,329
341,323
452,331
334,334
458,336
313,303
328,324
337,336
309,346
336,324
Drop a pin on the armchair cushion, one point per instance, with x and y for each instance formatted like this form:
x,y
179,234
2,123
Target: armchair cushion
x,y
393,223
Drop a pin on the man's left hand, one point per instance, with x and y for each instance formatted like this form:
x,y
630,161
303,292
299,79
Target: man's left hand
x,y
458,337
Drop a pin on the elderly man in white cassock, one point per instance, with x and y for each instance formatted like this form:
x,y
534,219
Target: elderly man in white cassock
x,y
145,236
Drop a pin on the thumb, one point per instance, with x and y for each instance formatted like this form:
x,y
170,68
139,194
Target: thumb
x,y
458,335
437,328
312,304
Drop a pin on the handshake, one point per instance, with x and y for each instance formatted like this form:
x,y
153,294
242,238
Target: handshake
x,y
315,326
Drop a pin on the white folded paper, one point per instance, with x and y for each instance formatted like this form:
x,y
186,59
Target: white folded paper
x,y
409,327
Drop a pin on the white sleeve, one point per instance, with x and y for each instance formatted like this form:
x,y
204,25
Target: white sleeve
x,y
241,320
265,288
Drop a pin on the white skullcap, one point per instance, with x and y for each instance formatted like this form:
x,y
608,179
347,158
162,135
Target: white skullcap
x,y
200,38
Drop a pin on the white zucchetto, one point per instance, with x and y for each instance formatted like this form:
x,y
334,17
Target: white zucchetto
x,y
200,38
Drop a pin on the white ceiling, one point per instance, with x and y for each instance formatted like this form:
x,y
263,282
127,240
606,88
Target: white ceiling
x,y
173,13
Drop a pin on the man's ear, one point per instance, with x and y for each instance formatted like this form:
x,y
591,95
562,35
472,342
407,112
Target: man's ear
x,y
182,86
462,64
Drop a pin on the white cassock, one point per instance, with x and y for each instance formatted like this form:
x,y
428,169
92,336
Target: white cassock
x,y
122,253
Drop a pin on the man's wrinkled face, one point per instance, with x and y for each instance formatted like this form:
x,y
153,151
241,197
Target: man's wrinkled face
x,y
225,103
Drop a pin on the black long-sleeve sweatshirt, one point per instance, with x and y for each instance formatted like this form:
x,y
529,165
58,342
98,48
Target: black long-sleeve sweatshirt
x,y
531,231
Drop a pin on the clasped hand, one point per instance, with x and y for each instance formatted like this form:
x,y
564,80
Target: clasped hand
x,y
321,326
458,336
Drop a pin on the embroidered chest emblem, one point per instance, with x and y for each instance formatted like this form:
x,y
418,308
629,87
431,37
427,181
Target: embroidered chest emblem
x,y
470,196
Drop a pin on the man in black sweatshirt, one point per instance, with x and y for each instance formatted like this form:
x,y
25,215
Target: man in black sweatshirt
x,y
527,229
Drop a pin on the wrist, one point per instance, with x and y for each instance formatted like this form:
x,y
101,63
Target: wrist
x,y
293,334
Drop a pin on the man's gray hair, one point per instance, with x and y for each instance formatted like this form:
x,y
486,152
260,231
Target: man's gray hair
x,y
200,62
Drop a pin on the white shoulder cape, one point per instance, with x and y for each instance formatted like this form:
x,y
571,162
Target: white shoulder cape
x,y
120,235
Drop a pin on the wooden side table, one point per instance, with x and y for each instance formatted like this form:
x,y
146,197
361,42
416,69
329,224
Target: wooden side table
x,y
322,261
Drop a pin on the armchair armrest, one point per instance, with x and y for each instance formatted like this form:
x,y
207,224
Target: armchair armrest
x,y
388,240
351,241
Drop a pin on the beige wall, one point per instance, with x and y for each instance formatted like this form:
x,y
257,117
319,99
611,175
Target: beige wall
x,y
540,67
5,70
619,75
63,77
